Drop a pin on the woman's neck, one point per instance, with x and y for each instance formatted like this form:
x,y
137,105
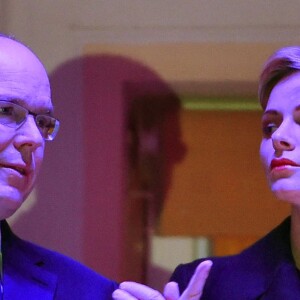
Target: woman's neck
x,y
295,234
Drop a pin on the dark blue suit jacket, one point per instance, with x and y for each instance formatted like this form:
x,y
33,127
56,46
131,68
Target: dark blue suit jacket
x,y
266,270
32,272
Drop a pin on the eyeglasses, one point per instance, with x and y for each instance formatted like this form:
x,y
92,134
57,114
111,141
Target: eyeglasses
x,y
13,115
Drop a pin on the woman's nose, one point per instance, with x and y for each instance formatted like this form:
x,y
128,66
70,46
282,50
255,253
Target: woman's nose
x,y
282,138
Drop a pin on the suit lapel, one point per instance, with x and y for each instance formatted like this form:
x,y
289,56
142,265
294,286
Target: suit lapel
x,y
285,284
265,271
24,275
272,261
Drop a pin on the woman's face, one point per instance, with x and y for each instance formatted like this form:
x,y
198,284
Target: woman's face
x,y
280,145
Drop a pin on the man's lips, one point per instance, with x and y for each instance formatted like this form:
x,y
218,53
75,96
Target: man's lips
x,y
277,163
20,169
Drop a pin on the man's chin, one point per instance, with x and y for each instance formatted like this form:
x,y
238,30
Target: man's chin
x,y
9,205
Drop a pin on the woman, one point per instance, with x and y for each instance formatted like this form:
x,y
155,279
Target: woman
x,y
269,269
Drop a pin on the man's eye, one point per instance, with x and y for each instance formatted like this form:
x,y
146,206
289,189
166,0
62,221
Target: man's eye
x,y
43,121
269,129
6,110
40,123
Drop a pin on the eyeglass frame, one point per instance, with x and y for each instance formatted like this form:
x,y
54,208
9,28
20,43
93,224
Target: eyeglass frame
x,y
35,115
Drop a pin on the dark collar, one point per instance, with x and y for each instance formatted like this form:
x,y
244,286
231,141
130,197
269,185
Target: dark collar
x,y
274,272
24,275
266,270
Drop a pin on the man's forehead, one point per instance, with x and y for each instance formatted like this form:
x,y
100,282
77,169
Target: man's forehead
x,y
22,76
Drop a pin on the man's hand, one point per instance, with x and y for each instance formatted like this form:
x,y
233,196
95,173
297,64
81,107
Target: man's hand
x,y
136,291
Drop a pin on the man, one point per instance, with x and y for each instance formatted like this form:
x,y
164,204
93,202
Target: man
x,y
26,121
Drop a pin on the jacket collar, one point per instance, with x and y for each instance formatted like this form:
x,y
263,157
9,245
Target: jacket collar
x,y
24,275
266,270
275,273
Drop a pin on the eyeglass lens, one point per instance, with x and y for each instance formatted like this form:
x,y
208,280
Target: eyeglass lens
x,y
14,115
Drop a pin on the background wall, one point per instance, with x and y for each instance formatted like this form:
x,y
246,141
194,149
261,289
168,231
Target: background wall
x,y
59,31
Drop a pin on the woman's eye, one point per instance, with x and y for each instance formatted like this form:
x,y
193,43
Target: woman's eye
x,y
269,129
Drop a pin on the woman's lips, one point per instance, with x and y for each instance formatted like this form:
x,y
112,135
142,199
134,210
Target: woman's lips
x,y
278,163
280,168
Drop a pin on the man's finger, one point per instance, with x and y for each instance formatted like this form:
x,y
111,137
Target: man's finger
x,y
195,288
140,291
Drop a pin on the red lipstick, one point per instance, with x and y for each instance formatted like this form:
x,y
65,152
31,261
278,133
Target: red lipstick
x,y
276,163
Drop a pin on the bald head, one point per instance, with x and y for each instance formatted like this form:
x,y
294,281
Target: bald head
x,y
21,69
15,42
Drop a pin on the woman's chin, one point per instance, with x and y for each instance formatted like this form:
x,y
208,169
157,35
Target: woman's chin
x,y
291,196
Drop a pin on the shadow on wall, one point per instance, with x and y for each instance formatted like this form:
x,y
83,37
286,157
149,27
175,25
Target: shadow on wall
x,y
105,177
55,220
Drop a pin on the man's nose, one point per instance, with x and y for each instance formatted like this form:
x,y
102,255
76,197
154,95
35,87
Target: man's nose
x,y
28,135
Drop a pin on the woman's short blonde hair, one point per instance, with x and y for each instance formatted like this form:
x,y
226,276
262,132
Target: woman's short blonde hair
x,y
281,64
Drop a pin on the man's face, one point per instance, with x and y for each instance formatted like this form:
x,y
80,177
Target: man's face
x,y
23,80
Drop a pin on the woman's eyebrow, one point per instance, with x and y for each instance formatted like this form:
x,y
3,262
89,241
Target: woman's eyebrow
x,y
272,112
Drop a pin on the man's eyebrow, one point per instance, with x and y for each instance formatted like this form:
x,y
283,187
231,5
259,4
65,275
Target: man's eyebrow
x,y
17,101
23,103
